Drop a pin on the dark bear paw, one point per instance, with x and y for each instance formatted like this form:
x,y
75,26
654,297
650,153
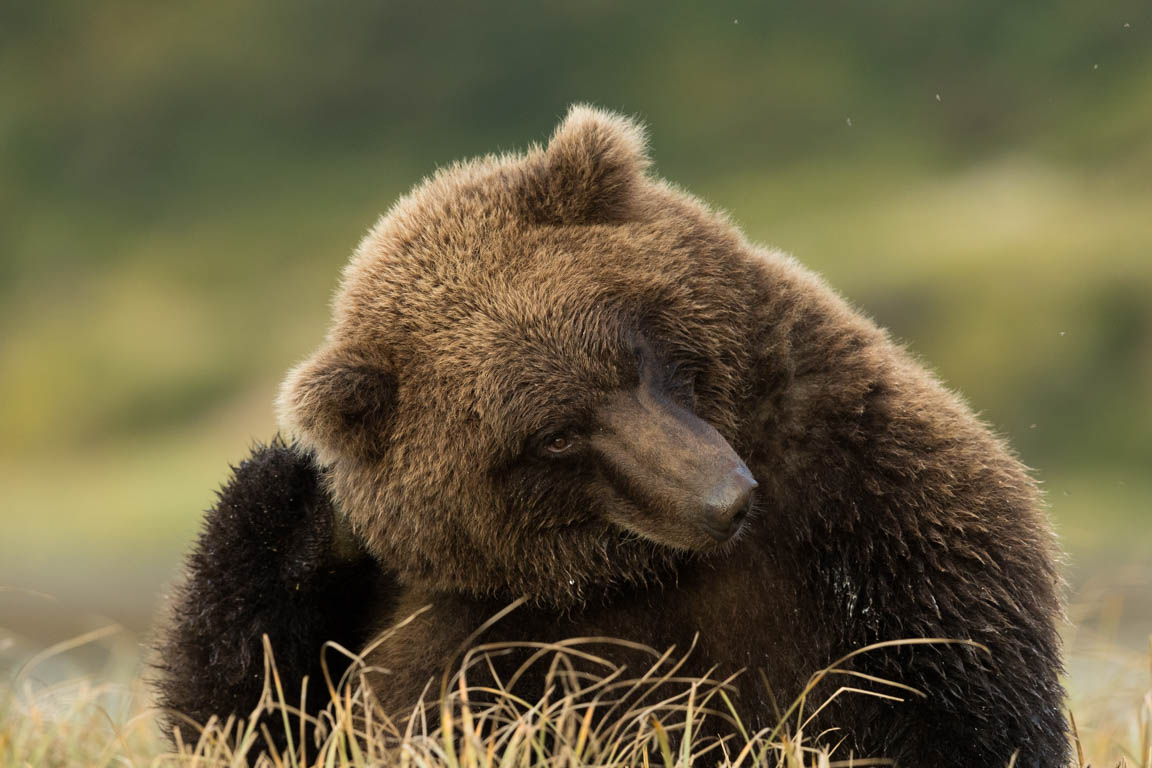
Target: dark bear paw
x,y
272,560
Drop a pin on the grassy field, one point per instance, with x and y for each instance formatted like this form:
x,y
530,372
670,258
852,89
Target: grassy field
x,y
181,184
623,718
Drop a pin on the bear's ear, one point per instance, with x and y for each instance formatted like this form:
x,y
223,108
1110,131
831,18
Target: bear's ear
x,y
589,171
338,404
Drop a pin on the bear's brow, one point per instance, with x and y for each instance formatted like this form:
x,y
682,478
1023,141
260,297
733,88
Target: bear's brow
x,y
530,409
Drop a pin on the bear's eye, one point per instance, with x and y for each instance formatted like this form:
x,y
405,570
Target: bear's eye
x,y
555,443
558,443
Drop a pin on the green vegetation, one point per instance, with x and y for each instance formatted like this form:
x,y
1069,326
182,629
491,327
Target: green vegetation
x,y
181,183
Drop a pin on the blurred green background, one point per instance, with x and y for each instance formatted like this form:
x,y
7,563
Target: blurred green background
x,y
181,183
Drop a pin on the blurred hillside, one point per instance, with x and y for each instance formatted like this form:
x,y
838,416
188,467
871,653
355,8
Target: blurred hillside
x,y
181,183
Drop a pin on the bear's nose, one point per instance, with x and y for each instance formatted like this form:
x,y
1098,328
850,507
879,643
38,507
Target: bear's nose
x,y
727,503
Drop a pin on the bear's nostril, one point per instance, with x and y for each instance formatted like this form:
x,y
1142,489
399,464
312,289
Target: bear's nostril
x,y
727,503
743,513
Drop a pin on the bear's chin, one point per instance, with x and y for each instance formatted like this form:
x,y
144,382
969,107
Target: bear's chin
x,y
579,569
683,537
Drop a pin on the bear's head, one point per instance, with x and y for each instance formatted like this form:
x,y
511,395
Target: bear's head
x,y
533,380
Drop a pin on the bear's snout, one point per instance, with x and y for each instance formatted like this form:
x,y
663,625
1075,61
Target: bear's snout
x,y
678,480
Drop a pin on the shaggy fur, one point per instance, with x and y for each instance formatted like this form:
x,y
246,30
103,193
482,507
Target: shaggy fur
x,y
514,296
266,564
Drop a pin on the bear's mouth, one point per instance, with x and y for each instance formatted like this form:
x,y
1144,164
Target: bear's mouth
x,y
678,529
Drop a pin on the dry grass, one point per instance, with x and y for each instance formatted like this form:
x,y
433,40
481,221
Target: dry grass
x,y
613,718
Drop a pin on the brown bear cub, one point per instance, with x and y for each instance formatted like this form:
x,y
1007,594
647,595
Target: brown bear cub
x,y
554,375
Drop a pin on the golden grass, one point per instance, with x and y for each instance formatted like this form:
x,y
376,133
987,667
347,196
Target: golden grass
x,y
613,718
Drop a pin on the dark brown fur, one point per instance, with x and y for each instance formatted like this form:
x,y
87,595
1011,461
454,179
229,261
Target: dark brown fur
x,y
508,293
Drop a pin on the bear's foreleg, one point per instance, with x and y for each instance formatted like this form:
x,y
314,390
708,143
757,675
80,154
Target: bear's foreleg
x,y
270,561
